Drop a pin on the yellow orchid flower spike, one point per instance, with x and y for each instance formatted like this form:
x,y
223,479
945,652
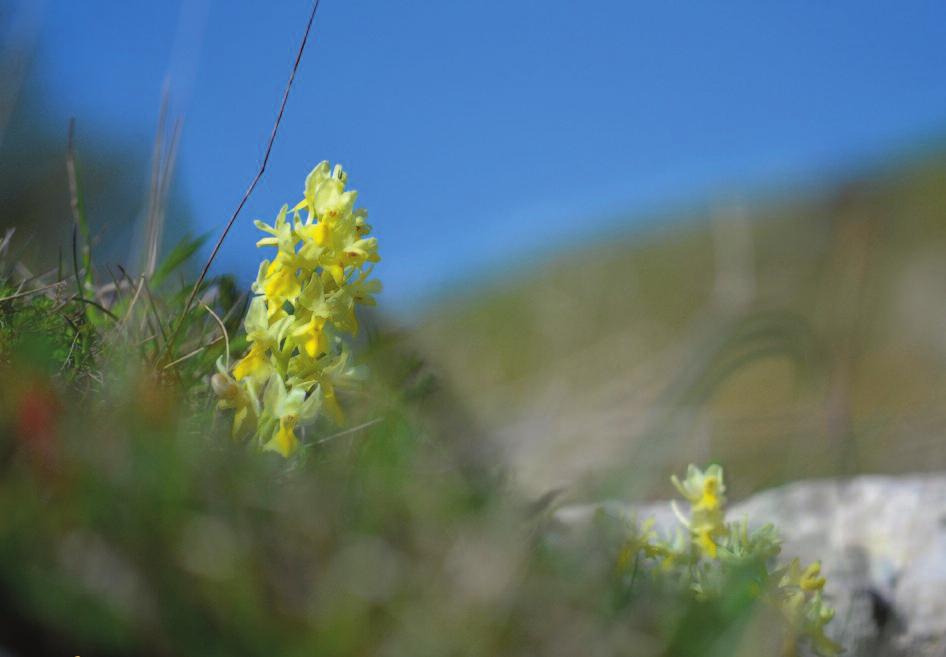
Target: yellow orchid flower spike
x,y
305,300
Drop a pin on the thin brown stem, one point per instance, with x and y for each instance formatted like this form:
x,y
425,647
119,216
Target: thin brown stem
x,y
96,304
246,195
26,293
193,353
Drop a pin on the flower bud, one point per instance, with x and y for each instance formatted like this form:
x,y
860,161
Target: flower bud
x,y
223,386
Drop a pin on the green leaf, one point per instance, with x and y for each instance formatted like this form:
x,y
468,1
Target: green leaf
x,y
180,254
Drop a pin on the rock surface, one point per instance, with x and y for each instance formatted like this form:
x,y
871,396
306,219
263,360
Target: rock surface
x,y
882,543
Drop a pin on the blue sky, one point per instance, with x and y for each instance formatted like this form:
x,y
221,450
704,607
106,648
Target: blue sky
x,y
479,133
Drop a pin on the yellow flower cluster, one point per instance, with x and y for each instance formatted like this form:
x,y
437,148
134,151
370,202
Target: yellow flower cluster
x,y
706,555
304,303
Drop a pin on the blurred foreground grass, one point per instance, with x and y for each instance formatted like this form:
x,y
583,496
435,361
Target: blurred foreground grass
x,y
132,524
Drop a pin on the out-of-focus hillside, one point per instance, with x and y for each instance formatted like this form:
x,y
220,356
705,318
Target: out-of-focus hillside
x,y
784,338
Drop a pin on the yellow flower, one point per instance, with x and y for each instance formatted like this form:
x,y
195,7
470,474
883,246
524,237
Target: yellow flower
x,y
362,227
704,490
808,580
288,407
804,608
332,202
255,363
318,175
284,440
336,270
241,397
318,234
313,338
811,579
280,284
704,540
261,328
281,231
362,290
339,375
330,402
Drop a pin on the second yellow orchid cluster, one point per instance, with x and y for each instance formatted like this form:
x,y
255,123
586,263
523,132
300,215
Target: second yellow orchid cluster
x,y
304,304
707,555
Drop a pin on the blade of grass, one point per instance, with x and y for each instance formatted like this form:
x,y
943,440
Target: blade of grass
x,y
179,255
75,264
167,175
134,300
241,302
163,160
154,309
76,202
152,229
116,286
5,243
223,329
